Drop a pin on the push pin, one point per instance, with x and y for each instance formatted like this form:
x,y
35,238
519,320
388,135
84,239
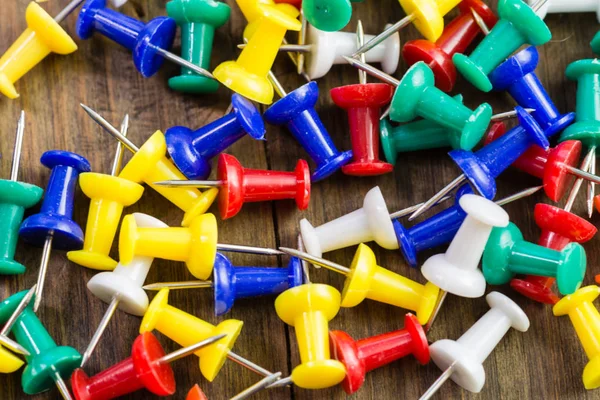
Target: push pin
x,y
517,76
47,363
416,95
462,360
309,308
482,167
122,288
586,320
147,42
109,194
564,6
184,328
456,38
15,197
297,111
518,25
149,164
195,245
43,36
559,228
196,393
365,355
198,20
253,14
248,74
232,282
241,185
55,219
327,15
10,363
507,254
441,228
456,271
191,151
427,16
366,279
147,368
587,123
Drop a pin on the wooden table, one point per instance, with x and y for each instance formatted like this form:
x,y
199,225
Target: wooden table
x,y
546,362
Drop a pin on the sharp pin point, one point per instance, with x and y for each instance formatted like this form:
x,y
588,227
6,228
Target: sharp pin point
x,y
411,209
108,314
42,272
13,346
519,195
67,10
480,22
116,167
316,260
22,306
257,387
436,198
110,129
186,351
384,35
438,382
14,171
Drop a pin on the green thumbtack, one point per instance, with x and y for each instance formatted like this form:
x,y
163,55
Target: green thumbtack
x,y
198,20
595,43
47,363
327,15
15,197
507,254
417,95
518,25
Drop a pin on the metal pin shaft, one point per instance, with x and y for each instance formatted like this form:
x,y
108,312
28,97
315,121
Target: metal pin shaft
x,y
302,41
14,171
374,72
191,183
257,369
480,22
508,115
591,188
43,271
178,285
184,63
317,260
4,339
13,346
257,387
110,129
62,386
108,314
67,10
436,310
186,351
519,195
305,267
411,209
236,248
292,48
116,167
438,382
384,35
360,41
585,165
436,197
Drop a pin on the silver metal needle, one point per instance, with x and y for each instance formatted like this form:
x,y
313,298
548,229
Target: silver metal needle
x,y
257,369
257,387
282,382
385,114
67,10
436,310
374,72
14,171
291,48
360,41
591,188
179,285
480,22
411,209
436,197
509,115
317,260
62,386
305,267
108,314
585,165
192,183
184,63
116,167
229,109
186,351
519,195
7,342
384,35
302,41
110,129
539,4
43,271
580,173
236,248
13,346
438,382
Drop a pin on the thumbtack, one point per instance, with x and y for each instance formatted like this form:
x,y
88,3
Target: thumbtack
x,y
149,164
366,279
309,308
122,287
327,15
563,6
559,228
185,328
423,99
47,363
147,368
253,14
15,197
517,76
148,42
441,228
43,36
248,75
586,320
518,25
196,393
482,167
191,151
55,219
462,360
456,271
257,387
365,355
241,185
456,38
428,18
234,282
109,194
297,111
507,254
198,20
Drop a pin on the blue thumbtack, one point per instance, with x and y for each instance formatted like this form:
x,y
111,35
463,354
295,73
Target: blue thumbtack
x,y
191,151
144,40
517,76
55,219
296,110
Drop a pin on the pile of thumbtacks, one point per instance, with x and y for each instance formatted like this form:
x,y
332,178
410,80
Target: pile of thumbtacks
x,y
177,163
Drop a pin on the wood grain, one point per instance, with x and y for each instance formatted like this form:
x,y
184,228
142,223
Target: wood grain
x,y
544,363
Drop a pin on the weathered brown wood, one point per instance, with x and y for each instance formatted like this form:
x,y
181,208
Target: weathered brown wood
x,y
544,363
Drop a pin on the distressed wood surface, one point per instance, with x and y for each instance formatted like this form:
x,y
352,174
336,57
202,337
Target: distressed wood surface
x,y
546,362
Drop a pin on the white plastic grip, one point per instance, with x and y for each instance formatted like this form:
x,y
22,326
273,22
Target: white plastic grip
x,y
567,6
456,271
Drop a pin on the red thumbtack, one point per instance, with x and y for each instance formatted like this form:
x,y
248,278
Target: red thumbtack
x,y
362,356
196,393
